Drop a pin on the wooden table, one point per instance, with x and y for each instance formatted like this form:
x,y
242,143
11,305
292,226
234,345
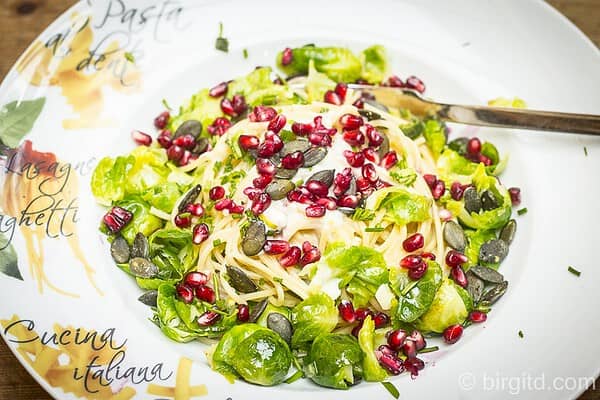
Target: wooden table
x,y
22,20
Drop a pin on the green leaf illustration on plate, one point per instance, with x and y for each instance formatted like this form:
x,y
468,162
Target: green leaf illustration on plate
x,y
8,259
17,119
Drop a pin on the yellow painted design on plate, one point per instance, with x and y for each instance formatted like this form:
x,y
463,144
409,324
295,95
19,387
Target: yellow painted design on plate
x,y
182,389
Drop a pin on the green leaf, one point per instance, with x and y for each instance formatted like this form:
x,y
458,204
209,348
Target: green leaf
x,y
372,371
435,136
401,206
451,306
389,386
17,119
415,297
8,259
374,64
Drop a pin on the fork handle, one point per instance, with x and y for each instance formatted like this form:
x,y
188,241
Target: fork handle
x,y
521,119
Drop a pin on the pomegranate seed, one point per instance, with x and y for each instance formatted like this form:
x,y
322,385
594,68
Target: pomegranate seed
x,y
348,201
238,102
117,218
412,82
381,319
359,103
311,256
141,138
161,121
354,159
248,142
329,203
298,196
196,209
409,348
243,314
194,279
428,256
453,333
371,155
216,193
418,338
223,204
346,310
227,107
205,293
275,247
276,140
265,166
456,191
389,160
413,242
185,141
175,153
262,181
219,126
165,138
474,146
293,161
413,365
307,246
396,339
417,273
515,195
389,360
287,56
438,189
252,192
200,233
262,114
375,138
341,89
319,139
183,220
454,258
277,123
185,158
458,275
260,203
209,318
266,149
315,211
354,138
301,129
351,121
218,90
291,257
369,173
363,184
356,330
317,188
395,81
363,313
411,261
477,316
332,97
185,293
430,180
485,160
236,209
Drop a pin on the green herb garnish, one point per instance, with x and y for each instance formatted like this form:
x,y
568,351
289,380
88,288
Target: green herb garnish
x,y
222,43
245,52
521,334
429,349
522,211
129,57
375,229
585,151
574,271
167,106
218,242
389,386
362,214
295,377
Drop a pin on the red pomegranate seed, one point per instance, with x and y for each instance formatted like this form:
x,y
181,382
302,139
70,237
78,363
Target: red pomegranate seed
x,y
236,209
113,223
252,192
227,107
317,188
311,256
341,89
348,201
458,275
356,330
411,261
301,129
248,142
413,242
346,310
205,293
141,138
291,257
413,365
218,90
165,138
332,97
375,138
369,173
260,203
261,181
287,56
185,293
262,114
238,102
363,313
456,191
363,184
396,339
195,278
162,120
315,211
276,140
381,319
477,316
515,195
293,160
175,153
395,81
371,155
409,348
418,272
389,360
216,193
307,246
185,141
200,233
454,258
223,204
277,123
430,180
196,209
359,103
183,220
264,166
219,126
438,189
428,256
354,159
389,160
275,247
209,318
319,139
418,338
474,146
351,121
354,138
413,82
266,149
453,333
485,160
185,158
243,314
329,203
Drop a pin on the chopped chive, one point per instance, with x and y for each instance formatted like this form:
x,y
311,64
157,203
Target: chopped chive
x,y
522,211
217,242
429,349
585,151
375,229
521,334
222,43
167,106
392,389
277,279
574,271
245,52
294,377
129,57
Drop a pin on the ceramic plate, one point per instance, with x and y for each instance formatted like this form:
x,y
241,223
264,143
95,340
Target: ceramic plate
x,y
71,317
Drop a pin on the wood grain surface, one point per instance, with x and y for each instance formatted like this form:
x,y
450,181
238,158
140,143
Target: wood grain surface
x,y
22,20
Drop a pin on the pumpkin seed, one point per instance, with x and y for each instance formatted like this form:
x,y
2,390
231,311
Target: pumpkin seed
x,y
454,235
140,247
474,286
240,281
352,188
189,198
314,155
488,201
149,298
493,252
346,210
257,310
201,146
254,238
507,234
369,115
119,250
472,200
459,145
384,148
494,293
143,268
190,127
487,274
325,177
281,325
279,188
283,173
294,146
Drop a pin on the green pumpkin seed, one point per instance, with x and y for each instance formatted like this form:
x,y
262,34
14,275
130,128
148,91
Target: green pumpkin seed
x,y
313,156
487,274
295,145
494,293
454,235
257,310
149,298
119,250
475,286
488,201
189,198
325,177
493,252
472,200
281,325
283,173
369,115
141,247
279,188
201,146
254,238
240,281
507,234
384,148
143,268
190,127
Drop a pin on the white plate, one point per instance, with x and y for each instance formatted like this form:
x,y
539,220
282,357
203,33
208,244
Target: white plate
x,y
465,50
